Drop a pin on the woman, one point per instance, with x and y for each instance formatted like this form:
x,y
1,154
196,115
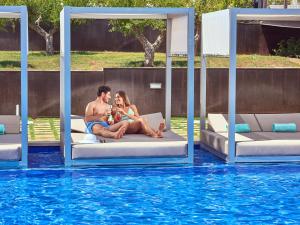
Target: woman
x,y
125,111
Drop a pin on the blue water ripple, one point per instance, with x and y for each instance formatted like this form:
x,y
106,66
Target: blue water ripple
x,y
241,194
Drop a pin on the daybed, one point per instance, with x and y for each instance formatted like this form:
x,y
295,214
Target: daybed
x,y
139,145
10,142
179,41
260,142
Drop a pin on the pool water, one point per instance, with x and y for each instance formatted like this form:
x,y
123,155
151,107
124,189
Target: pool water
x,y
209,193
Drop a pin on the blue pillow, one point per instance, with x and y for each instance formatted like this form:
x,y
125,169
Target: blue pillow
x,y
284,127
2,129
242,128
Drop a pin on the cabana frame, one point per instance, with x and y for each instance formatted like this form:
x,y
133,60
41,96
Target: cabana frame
x,y
219,38
20,12
169,14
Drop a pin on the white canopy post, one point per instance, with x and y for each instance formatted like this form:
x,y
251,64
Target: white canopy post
x,y
202,93
190,83
24,84
168,94
232,86
65,84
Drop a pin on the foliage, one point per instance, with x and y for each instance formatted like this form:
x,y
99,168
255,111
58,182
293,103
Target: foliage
x,y
288,48
95,61
44,17
133,27
201,6
48,10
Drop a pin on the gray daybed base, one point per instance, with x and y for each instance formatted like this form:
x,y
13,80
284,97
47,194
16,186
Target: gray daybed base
x,y
10,142
131,146
261,145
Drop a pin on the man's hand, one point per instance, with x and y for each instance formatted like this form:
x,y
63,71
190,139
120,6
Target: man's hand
x,y
111,122
108,112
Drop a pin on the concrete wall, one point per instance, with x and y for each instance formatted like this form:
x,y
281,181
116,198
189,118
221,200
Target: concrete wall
x,y
258,90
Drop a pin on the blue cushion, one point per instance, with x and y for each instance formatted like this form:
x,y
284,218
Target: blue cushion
x,y
242,128
284,127
2,129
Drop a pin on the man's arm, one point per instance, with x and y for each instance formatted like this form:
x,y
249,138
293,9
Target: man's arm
x,y
89,114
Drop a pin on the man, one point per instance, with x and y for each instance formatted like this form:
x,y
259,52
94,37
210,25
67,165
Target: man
x,y
97,113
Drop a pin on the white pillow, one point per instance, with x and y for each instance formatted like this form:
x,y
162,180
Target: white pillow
x,y
78,125
154,119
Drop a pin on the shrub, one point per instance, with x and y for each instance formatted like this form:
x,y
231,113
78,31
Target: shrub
x,y
288,48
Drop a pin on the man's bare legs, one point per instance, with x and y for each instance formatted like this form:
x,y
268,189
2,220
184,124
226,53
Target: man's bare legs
x,y
117,126
114,131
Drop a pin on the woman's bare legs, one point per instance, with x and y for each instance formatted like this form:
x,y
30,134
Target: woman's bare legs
x,y
147,130
161,128
134,127
140,126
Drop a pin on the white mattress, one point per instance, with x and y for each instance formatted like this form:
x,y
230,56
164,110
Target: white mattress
x,y
255,143
10,147
131,145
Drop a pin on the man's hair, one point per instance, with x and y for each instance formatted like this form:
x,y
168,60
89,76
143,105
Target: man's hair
x,y
103,89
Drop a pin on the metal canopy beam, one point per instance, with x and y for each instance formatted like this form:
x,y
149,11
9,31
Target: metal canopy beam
x,y
170,12
21,12
9,15
116,16
69,13
277,17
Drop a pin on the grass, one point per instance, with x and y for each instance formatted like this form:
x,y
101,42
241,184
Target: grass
x,y
48,129
84,60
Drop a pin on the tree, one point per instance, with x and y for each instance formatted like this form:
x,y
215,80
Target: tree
x,y
136,28
43,16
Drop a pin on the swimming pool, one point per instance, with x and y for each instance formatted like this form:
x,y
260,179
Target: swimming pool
x,y
210,193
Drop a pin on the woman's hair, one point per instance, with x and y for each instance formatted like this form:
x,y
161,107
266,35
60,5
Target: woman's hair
x,y
125,98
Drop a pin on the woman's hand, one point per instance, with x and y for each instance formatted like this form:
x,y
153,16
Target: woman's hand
x,y
121,111
114,110
117,117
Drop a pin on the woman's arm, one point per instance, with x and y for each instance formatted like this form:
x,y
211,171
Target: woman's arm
x,y
136,114
135,110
